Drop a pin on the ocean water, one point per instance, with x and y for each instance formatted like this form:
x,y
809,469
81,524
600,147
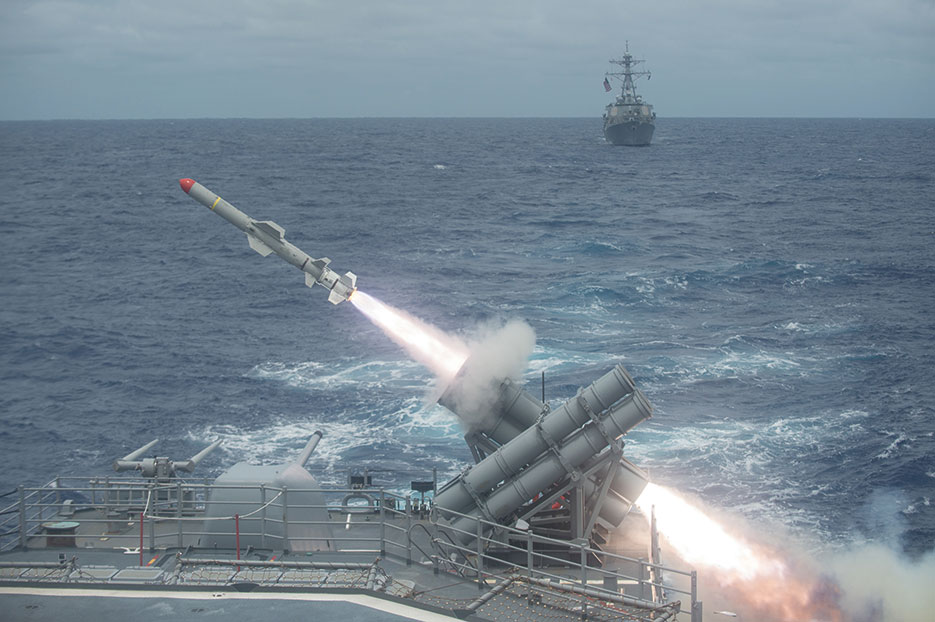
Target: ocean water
x,y
768,282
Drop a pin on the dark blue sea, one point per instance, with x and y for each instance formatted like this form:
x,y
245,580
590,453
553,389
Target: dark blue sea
x,y
769,283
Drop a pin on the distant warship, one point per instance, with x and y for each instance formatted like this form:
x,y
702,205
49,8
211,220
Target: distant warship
x,y
628,120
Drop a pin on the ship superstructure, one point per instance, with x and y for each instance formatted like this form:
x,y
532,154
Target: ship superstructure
x,y
628,120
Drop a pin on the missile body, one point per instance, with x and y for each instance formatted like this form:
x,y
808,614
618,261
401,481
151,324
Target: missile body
x,y
265,237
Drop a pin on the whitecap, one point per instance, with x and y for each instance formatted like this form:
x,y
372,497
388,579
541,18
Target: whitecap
x,y
893,447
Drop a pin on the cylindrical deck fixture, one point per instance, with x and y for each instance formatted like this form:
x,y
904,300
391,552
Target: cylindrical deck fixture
x,y
513,410
495,406
613,399
627,484
552,466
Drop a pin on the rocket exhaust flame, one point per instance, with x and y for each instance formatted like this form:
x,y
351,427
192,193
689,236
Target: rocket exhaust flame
x,y
440,352
700,540
767,582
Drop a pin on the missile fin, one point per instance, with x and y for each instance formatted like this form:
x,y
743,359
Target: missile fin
x,y
321,263
270,228
309,280
334,297
258,246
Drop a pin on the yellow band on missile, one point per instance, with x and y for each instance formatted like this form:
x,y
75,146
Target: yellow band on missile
x,y
215,203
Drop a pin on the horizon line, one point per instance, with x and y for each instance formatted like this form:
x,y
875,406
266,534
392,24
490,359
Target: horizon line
x,y
409,117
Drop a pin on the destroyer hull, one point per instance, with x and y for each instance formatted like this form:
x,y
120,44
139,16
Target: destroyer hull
x,y
629,133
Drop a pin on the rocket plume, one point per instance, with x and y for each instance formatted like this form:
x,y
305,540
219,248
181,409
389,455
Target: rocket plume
x,y
764,580
441,353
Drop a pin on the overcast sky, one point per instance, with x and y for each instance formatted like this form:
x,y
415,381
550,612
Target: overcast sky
x,y
97,59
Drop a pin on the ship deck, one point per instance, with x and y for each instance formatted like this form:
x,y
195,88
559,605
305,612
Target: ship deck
x,y
66,550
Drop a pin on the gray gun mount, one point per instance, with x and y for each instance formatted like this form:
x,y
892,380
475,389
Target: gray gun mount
x,y
160,467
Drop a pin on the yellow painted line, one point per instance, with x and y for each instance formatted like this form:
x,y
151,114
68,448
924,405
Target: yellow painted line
x,y
215,202
152,560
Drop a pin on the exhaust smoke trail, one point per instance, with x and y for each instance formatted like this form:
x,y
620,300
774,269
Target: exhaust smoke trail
x,y
770,584
441,353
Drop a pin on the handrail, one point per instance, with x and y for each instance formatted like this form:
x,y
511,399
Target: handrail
x,y
467,562
427,533
539,539
585,551
183,503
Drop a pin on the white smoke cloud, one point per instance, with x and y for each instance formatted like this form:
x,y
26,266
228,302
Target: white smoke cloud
x,y
502,350
878,584
498,351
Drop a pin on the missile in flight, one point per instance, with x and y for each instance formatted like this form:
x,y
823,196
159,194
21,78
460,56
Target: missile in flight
x,y
265,237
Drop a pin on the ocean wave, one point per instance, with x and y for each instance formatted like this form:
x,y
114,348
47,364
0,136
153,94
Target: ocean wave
x,y
401,374
901,440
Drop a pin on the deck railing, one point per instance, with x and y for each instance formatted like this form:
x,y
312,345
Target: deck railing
x,y
175,514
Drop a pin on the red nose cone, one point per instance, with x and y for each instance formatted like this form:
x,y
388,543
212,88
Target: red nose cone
x,y
186,184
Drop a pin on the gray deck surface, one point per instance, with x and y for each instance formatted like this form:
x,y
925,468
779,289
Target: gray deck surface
x,y
32,607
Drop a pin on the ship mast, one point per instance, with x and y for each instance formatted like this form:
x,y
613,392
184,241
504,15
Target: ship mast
x,y
627,91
